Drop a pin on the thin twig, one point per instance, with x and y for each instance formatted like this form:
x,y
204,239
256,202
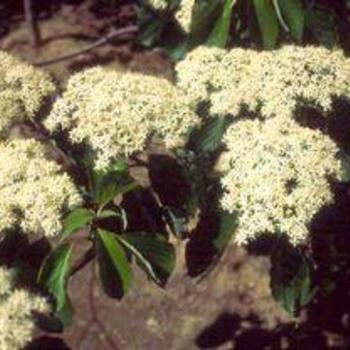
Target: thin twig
x,y
32,23
41,134
113,34
83,261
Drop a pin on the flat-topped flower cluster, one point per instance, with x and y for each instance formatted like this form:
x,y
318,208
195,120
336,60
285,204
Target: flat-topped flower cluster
x,y
34,191
276,177
16,312
272,83
23,90
115,114
276,172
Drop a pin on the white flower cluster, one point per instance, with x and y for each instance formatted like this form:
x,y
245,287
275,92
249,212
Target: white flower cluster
x,y
273,83
115,114
16,308
159,5
183,14
23,89
276,173
34,191
276,177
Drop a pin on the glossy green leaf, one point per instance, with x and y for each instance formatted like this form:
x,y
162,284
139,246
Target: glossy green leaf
x,y
268,22
227,227
108,185
114,267
55,272
220,34
153,254
76,220
209,137
291,280
204,16
293,12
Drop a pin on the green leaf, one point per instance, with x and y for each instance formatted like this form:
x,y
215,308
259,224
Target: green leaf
x,y
322,24
291,279
345,160
110,184
227,227
220,34
268,22
115,271
177,52
122,215
55,272
307,291
153,254
208,138
120,166
107,213
76,220
151,27
204,15
65,314
293,11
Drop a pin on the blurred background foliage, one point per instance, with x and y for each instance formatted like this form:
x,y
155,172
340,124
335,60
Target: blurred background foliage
x,y
248,23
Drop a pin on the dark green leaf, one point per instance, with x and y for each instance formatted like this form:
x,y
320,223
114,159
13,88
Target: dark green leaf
x,y
227,227
307,291
293,11
65,315
153,253
345,159
177,52
48,323
151,27
209,137
110,184
115,271
321,23
220,34
204,15
291,279
76,220
55,272
268,22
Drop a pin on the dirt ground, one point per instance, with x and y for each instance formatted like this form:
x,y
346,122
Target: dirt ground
x,y
230,309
